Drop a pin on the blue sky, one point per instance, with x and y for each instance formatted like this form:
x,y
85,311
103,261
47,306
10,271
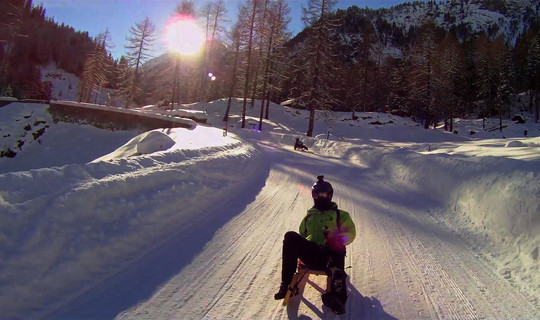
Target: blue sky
x,y
118,16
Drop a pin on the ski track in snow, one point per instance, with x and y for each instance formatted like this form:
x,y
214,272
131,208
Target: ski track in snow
x,y
403,264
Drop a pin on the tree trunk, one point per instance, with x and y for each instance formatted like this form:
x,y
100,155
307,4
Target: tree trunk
x,y
233,82
309,133
258,63
537,107
250,44
175,83
500,118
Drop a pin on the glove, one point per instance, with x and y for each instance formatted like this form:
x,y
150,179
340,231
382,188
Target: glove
x,y
334,243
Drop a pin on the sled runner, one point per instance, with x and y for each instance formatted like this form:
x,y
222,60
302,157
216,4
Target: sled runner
x,y
335,295
301,271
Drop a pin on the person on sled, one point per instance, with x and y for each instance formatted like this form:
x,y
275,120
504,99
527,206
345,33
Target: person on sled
x,y
299,145
320,243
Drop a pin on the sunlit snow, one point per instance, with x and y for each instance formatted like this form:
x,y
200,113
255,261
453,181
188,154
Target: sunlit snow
x,y
79,204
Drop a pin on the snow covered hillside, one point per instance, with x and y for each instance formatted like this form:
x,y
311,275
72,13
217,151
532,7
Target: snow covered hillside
x,y
185,224
472,17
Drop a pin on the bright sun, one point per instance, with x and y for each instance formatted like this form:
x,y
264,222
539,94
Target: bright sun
x,y
184,36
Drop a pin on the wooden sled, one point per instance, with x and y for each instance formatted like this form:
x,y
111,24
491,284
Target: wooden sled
x,y
301,271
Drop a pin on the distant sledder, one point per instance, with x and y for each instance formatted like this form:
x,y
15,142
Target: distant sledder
x,y
298,145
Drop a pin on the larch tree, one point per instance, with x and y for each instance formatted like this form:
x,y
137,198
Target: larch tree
x,y
278,19
215,13
261,32
253,4
317,58
12,15
489,62
449,70
422,75
140,40
398,97
125,77
23,47
533,73
96,70
364,57
236,42
186,8
506,84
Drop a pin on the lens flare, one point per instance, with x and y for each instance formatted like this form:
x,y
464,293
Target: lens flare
x,y
184,35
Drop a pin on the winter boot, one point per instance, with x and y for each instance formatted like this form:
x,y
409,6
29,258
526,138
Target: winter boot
x,y
282,292
336,296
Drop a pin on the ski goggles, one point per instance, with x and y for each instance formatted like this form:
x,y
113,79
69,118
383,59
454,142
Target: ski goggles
x,y
319,195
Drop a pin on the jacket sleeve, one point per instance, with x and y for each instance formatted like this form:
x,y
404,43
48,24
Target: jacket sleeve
x,y
348,229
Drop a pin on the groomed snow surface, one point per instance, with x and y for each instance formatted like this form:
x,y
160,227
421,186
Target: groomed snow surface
x,y
188,224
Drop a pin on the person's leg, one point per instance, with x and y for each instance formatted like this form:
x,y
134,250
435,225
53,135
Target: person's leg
x,y
338,260
295,246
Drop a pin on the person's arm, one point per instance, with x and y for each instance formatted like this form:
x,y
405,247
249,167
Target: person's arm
x,y
302,229
348,229
335,238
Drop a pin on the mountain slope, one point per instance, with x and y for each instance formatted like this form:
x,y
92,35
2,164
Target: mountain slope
x,y
396,27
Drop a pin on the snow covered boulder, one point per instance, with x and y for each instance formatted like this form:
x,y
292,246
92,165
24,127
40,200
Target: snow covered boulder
x,y
514,144
153,141
146,143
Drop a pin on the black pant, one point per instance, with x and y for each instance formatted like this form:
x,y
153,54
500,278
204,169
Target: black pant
x,y
312,255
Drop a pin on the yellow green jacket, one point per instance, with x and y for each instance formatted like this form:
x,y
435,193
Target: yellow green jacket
x,y
313,225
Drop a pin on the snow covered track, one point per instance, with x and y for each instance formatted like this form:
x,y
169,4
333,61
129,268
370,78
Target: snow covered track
x,y
188,224
404,263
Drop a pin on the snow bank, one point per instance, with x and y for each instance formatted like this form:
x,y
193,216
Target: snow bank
x,y
489,197
75,223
